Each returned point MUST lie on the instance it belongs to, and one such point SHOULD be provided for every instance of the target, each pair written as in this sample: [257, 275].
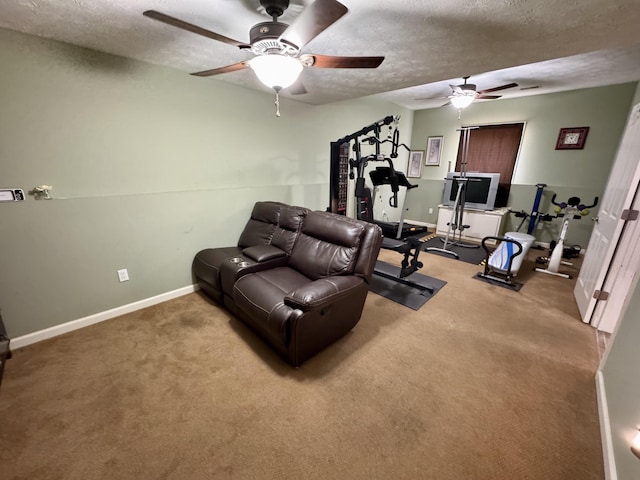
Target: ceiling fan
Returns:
[464, 94]
[277, 46]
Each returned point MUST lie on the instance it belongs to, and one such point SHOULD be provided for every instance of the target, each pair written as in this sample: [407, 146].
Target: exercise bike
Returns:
[572, 209]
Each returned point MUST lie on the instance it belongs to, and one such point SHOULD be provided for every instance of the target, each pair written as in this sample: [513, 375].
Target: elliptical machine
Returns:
[572, 209]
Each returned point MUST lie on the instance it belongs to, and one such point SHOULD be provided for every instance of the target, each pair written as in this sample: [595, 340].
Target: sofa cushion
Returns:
[323, 292]
[260, 227]
[261, 296]
[328, 245]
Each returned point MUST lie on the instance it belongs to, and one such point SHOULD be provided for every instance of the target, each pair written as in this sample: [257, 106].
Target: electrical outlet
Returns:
[123, 275]
[430, 211]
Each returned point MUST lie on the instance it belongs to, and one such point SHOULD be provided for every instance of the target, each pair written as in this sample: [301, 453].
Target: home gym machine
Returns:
[572, 209]
[409, 247]
[385, 175]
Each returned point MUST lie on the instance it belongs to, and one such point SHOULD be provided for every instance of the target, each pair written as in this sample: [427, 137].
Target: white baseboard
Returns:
[56, 330]
[608, 455]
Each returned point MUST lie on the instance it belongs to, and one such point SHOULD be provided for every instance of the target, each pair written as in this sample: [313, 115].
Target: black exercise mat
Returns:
[413, 297]
[465, 254]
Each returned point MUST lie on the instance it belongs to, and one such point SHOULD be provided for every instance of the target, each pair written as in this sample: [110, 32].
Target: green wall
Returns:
[581, 173]
[148, 166]
[622, 387]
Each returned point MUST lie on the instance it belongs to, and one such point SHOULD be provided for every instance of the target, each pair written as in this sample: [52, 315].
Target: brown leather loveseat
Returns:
[298, 278]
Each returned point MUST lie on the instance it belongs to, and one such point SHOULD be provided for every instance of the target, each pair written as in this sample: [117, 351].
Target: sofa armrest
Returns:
[262, 253]
[323, 292]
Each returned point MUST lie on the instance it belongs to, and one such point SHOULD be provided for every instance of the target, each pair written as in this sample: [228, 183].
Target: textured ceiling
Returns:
[427, 44]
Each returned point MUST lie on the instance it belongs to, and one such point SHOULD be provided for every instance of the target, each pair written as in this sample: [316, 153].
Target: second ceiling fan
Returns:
[277, 46]
[464, 94]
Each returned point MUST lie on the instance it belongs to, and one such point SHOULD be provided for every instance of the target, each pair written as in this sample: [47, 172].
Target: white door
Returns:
[621, 278]
[619, 193]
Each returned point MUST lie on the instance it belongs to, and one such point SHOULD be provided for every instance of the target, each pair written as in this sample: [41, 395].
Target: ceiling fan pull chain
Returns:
[277, 103]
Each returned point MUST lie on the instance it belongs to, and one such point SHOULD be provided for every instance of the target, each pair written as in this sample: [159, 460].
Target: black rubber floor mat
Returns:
[464, 254]
[412, 291]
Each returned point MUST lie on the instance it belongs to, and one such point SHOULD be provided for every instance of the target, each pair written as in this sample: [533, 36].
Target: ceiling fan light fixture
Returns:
[462, 101]
[276, 71]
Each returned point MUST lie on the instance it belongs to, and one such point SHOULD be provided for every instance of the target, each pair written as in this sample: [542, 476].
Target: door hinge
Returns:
[629, 214]
[600, 295]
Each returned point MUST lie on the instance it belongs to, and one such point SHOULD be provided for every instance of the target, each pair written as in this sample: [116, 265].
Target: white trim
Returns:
[608, 455]
[56, 330]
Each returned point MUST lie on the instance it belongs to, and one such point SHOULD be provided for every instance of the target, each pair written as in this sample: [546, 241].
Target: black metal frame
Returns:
[410, 247]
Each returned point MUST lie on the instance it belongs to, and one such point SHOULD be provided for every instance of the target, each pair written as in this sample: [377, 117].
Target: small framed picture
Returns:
[572, 138]
[434, 150]
[416, 157]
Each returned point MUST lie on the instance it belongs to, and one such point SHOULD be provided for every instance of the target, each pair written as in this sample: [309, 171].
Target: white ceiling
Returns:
[427, 44]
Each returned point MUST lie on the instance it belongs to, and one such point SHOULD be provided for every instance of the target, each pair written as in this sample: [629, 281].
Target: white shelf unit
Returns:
[481, 223]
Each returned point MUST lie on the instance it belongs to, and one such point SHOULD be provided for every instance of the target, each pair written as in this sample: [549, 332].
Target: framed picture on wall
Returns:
[416, 157]
[572, 138]
[434, 151]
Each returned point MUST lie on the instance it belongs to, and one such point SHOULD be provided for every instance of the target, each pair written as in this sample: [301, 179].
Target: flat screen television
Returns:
[480, 192]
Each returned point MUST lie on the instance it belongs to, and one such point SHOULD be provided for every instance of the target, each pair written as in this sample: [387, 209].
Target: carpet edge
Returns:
[50, 332]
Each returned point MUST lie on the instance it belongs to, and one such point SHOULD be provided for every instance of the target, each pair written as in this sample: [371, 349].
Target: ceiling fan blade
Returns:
[330, 61]
[488, 97]
[175, 22]
[495, 89]
[428, 98]
[297, 88]
[312, 21]
[448, 103]
[217, 71]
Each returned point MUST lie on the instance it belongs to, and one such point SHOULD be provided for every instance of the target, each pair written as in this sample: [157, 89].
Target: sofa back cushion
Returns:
[262, 224]
[288, 228]
[328, 245]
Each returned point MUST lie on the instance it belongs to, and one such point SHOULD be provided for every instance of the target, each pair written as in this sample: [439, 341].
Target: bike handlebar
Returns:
[574, 202]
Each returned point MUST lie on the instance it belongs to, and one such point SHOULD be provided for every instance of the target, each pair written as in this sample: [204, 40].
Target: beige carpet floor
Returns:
[481, 383]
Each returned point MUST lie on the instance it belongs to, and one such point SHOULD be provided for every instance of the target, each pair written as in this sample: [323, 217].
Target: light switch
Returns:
[11, 195]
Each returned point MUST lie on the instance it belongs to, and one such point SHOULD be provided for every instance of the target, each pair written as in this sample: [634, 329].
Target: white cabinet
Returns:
[481, 223]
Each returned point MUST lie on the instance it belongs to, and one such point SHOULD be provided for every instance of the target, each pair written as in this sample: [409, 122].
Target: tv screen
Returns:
[480, 189]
